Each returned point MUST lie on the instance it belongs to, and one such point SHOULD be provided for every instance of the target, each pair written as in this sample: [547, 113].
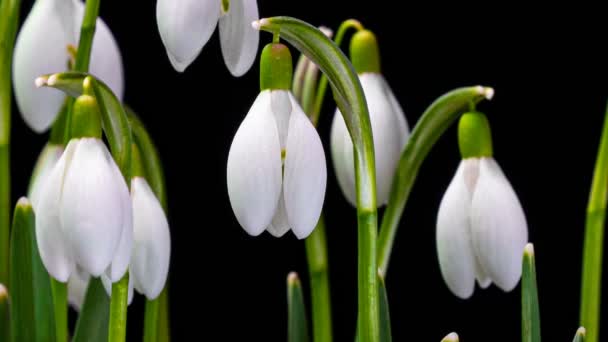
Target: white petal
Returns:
[122, 256]
[41, 48]
[239, 40]
[52, 244]
[152, 242]
[387, 131]
[280, 103]
[77, 288]
[106, 60]
[254, 174]
[305, 174]
[185, 26]
[280, 223]
[456, 258]
[44, 165]
[107, 285]
[91, 208]
[404, 128]
[343, 158]
[499, 226]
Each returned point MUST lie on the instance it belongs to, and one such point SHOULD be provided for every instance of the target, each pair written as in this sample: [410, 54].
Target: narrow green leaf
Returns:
[297, 329]
[591, 284]
[451, 337]
[5, 322]
[353, 106]
[580, 335]
[114, 119]
[434, 122]
[92, 325]
[31, 314]
[385, 316]
[530, 314]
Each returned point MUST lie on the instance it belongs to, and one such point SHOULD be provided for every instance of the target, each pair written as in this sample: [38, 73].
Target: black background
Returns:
[548, 68]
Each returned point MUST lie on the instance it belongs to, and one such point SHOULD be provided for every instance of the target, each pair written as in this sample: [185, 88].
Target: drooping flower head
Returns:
[481, 226]
[43, 46]
[185, 26]
[276, 170]
[389, 126]
[83, 215]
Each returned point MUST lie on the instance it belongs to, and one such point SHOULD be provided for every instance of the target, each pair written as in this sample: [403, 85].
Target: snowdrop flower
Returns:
[276, 166]
[186, 25]
[42, 48]
[481, 227]
[46, 162]
[83, 215]
[389, 127]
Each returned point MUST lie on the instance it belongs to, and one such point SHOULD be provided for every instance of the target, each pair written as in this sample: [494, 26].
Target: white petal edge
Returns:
[499, 227]
[185, 26]
[52, 245]
[280, 224]
[49, 156]
[454, 249]
[343, 158]
[152, 241]
[386, 131]
[77, 288]
[254, 174]
[41, 48]
[305, 173]
[239, 40]
[122, 256]
[404, 128]
[90, 211]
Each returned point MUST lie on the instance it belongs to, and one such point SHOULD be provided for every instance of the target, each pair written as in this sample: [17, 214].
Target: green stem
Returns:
[351, 101]
[530, 314]
[151, 320]
[164, 327]
[60, 303]
[9, 14]
[431, 126]
[594, 242]
[316, 253]
[320, 95]
[118, 310]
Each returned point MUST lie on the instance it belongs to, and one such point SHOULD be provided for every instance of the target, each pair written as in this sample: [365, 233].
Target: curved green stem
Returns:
[351, 101]
[594, 242]
[431, 126]
[9, 12]
[320, 95]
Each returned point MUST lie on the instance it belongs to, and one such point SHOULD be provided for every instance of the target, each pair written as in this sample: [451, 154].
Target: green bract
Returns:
[474, 136]
[364, 52]
[275, 67]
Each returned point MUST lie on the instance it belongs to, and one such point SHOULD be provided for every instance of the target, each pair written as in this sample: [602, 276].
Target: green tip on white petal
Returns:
[474, 136]
[451, 337]
[364, 52]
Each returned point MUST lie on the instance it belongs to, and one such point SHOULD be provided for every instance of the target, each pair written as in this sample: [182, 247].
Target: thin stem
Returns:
[60, 303]
[164, 326]
[118, 310]
[431, 126]
[9, 12]
[594, 242]
[151, 320]
[320, 95]
[316, 253]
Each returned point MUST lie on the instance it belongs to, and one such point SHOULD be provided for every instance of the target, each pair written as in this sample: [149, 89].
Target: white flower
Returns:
[41, 48]
[44, 165]
[77, 288]
[390, 131]
[83, 215]
[185, 26]
[481, 229]
[151, 241]
[276, 168]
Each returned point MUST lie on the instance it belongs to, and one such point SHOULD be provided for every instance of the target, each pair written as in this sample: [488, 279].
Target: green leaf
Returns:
[351, 101]
[385, 316]
[113, 117]
[580, 335]
[530, 315]
[437, 118]
[31, 311]
[92, 325]
[297, 329]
